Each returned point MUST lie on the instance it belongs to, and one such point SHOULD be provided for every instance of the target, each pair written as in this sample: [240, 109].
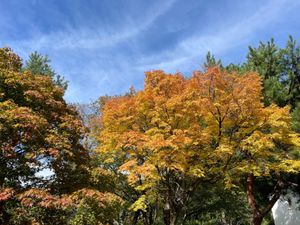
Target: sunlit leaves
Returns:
[37, 130]
[197, 126]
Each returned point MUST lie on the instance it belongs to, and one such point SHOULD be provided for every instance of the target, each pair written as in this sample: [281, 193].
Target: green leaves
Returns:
[38, 64]
[296, 119]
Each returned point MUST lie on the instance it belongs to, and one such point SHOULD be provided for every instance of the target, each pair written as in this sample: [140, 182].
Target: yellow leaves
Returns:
[58, 142]
[224, 150]
[258, 143]
[145, 186]
[166, 85]
[129, 165]
[289, 166]
[100, 173]
[163, 124]
[217, 105]
[229, 182]
[295, 139]
[72, 124]
[139, 204]
[279, 121]
[197, 171]
[197, 126]
[9, 61]
[178, 165]
[137, 172]
[109, 160]
[278, 118]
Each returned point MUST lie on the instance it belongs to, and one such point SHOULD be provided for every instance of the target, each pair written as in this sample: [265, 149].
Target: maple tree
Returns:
[179, 131]
[39, 131]
[278, 68]
[105, 175]
[147, 130]
[253, 140]
[279, 71]
[183, 150]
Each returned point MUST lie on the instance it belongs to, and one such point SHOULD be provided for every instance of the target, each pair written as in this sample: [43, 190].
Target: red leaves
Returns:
[8, 151]
[34, 95]
[9, 60]
[53, 152]
[40, 197]
[6, 194]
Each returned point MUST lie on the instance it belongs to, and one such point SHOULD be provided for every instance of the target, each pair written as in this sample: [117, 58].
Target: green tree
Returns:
[280, 70]
[38, 64]
[296, 119]
[291, 75]
[211, 61]
[211, 205]
[266, 60]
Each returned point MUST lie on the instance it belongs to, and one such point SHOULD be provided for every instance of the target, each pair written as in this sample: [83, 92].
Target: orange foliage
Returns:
[197, 126]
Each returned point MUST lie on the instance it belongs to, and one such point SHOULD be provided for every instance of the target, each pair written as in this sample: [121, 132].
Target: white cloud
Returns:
[92, 69]
[87, 38]
[219, 39]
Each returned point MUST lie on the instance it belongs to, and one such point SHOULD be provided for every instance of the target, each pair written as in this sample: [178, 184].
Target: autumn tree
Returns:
[151, 132]
[178, 132]
[105, 175]
[278, 68]
[252, 140]
[38, 130]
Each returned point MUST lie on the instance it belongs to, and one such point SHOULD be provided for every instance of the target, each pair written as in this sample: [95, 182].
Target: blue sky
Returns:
[105, 46]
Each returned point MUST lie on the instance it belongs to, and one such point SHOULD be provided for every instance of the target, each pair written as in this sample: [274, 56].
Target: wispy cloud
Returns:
[219, 39]
[104, 47]
[101, 37]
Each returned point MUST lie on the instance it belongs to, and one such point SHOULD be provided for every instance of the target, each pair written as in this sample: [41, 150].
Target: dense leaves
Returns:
[217, 147]
[39, 132]
[177, 132]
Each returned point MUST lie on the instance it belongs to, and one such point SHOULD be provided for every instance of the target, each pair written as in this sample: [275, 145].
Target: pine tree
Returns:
[38, 64]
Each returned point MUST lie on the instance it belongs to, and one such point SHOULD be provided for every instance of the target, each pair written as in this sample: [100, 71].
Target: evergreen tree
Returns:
[296, 119]
[211, 61]
[291, 74]
[267, 61]
[38, 64]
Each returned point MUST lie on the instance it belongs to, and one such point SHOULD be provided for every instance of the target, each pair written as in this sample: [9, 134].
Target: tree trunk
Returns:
[256, 215]
[135, 217]
[257, 220]
[167, 214]
[170, 216]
